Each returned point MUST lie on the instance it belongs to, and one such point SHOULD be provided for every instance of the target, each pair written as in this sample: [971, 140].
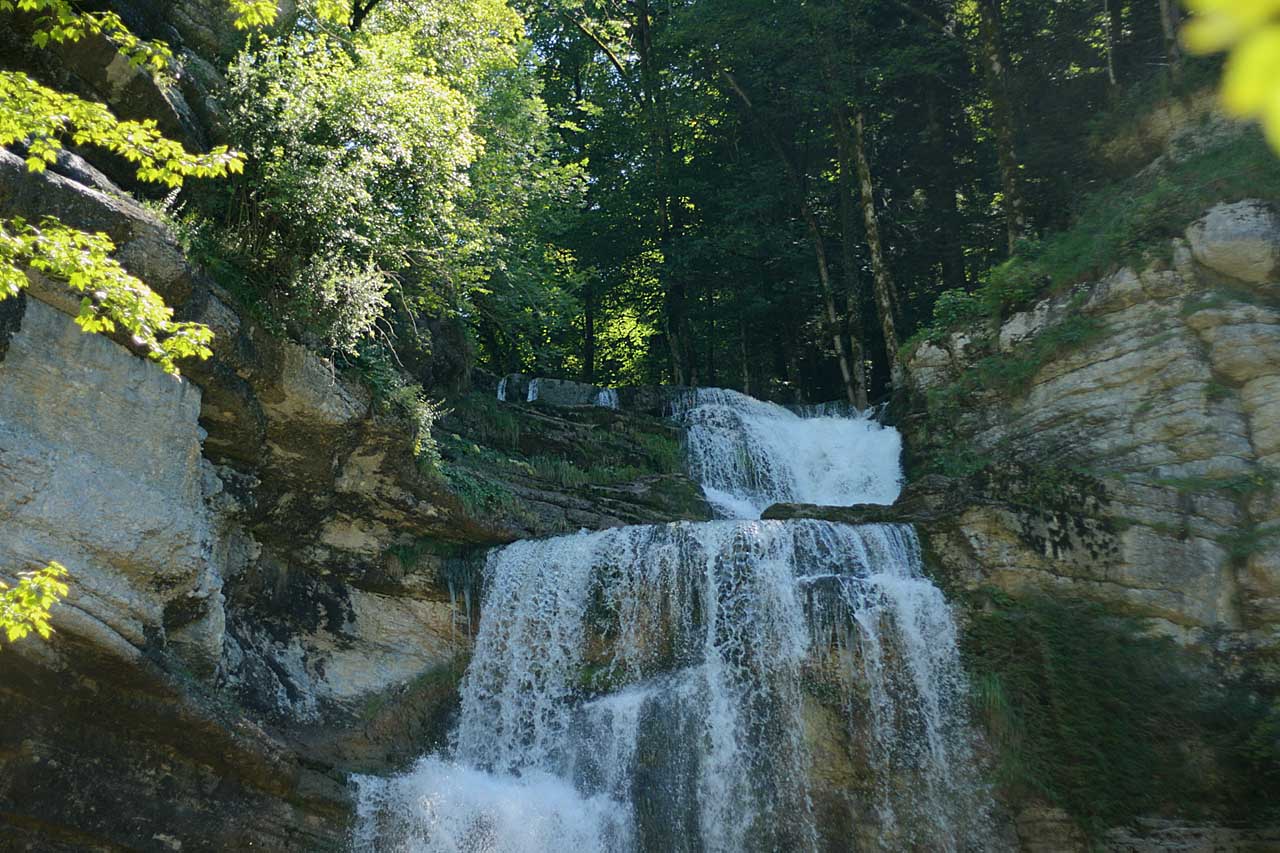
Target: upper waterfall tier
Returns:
[749, 454]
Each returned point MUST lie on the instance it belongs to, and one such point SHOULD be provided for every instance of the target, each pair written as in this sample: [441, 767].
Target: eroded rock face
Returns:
[1168, 412]
[100, 456]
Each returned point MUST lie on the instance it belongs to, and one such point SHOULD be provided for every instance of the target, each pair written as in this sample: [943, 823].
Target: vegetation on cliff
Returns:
[1090, 712]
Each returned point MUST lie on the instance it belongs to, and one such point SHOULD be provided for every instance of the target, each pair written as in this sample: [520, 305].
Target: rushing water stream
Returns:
[734, 685]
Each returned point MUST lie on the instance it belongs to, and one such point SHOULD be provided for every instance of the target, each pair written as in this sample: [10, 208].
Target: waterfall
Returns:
[502, 389]
[606, 398]
[749, 454]
[697, 686]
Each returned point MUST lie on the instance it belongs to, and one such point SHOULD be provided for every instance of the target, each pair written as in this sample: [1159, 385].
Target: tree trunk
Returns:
[995, 63]
[1169, 16]
[941, 192]
[679, 332]
[1111, 28]
[882, 281]
[848, 261]
[589, 335]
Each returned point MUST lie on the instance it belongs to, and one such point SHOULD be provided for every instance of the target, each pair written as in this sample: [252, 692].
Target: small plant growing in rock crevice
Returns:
[394, 394]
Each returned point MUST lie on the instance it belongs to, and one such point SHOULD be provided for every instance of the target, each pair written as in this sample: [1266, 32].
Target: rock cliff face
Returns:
[1146, 441]
[1118, 443]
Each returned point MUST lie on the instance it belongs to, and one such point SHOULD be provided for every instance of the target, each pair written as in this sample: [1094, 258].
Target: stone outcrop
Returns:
[1166, 412]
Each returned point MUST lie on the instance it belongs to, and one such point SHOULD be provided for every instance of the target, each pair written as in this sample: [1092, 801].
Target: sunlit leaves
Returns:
[250, 14]
[1250, 30]
[112, 299]
[358, 161]
[25, 606]
[44, 119]
[253, 13]
[58, 22]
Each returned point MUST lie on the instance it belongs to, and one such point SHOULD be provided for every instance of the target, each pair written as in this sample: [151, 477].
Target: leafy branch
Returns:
[25, 607]
[41, 118]
[59, 22]
[113, 300]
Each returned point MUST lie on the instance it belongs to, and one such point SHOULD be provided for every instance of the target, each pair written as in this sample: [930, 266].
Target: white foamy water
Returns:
[654, 687]
[748, 454]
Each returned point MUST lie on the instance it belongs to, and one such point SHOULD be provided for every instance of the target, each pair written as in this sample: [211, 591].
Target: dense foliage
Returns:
[397, 172]
[778, 193]
[759, 195]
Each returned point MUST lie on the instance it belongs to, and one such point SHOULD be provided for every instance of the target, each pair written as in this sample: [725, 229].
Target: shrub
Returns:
[335, 302]
[394, 394]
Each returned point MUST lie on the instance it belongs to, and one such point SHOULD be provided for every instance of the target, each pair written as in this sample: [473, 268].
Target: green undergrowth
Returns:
[1089, 712]
[1140, 99]
[481, 496]
[1124, 223]
[487, 421]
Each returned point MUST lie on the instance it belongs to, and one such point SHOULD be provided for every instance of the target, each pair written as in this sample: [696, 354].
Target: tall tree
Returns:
[854, 390]
[995, 63]
[886, 299]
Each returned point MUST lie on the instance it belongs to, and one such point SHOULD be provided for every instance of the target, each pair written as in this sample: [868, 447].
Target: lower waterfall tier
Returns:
[723, 686]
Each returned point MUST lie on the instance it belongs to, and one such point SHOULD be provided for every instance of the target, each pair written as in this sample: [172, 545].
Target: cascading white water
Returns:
[606, 398]
[655, 687]
[749, 454]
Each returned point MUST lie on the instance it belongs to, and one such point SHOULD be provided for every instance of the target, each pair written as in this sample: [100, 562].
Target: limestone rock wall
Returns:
[1158, 433]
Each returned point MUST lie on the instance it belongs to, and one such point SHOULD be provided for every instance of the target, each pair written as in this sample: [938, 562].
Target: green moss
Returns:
[1261, 481]
[958, 460]
[1249, 540]
[1216, 391]
[437, 687]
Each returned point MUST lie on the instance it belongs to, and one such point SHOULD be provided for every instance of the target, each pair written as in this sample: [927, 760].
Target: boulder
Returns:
[1240, 240]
